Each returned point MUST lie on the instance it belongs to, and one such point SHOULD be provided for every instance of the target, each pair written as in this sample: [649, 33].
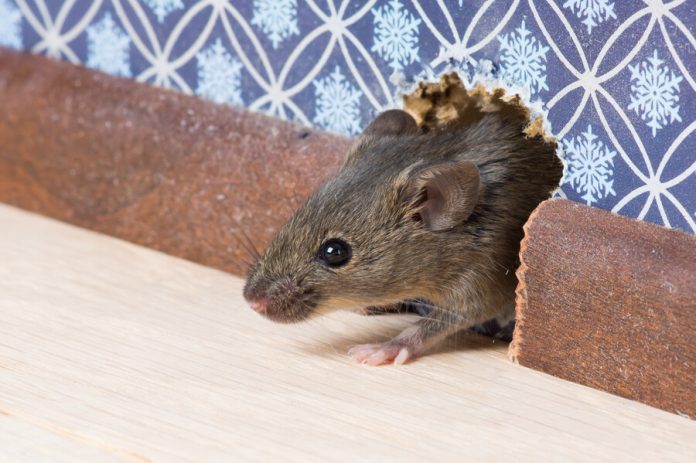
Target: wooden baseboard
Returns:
[155, 167]
[609, 302]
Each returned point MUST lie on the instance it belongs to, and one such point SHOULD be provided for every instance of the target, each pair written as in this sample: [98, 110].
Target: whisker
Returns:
[243, 246]
[250, 243]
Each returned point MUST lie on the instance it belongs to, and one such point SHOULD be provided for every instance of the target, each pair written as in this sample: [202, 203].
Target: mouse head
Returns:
[375, 234]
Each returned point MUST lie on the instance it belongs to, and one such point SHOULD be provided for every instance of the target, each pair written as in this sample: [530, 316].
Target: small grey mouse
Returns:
[412, 215]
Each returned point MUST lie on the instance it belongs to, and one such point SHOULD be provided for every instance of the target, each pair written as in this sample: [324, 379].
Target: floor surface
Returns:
[113, 352]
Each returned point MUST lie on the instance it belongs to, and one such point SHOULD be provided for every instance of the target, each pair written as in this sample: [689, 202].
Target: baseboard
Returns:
[609, 302]
[169, 171]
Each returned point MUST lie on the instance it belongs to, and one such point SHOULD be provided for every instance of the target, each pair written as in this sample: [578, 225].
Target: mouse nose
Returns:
[259, 305]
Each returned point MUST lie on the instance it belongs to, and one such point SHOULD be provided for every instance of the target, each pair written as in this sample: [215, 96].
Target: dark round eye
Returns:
[335, 253]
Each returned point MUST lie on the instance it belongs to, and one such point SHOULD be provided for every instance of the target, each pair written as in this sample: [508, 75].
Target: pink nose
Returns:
[258, 305]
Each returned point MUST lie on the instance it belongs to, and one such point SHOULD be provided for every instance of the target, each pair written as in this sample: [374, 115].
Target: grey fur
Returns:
[467, 272]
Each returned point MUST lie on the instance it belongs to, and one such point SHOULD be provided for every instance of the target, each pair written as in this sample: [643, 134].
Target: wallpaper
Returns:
[617, 77]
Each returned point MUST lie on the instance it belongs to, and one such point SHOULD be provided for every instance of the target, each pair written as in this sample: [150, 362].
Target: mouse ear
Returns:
[392, 122]
[444, 195]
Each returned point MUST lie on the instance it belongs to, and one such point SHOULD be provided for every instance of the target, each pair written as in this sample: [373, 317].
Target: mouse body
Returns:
[420, 215]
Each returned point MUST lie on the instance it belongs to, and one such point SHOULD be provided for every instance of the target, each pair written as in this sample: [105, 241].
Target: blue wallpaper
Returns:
[618, 78]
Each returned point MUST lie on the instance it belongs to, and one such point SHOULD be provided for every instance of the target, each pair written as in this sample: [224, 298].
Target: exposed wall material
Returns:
[435, 104]
[610, 304]
[161, 169]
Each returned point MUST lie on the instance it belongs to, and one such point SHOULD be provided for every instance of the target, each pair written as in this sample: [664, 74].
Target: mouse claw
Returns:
[402, 357]
[380, 354]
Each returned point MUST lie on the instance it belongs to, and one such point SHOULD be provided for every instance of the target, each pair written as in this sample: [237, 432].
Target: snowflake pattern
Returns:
[655, 93]
[219, 75]
[289, 50]
[108, 47]
[276, 18]
[162, 8]
[337, 104]
[10, 25]
[589, 166]
[523, 59]
[594, 11]
[395, 35]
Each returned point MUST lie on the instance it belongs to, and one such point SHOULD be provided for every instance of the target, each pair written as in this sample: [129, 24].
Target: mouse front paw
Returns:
[379, 354]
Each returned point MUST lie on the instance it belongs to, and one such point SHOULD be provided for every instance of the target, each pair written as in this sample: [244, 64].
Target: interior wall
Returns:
[618, 78]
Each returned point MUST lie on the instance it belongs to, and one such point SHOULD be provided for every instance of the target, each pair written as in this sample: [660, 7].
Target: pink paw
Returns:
[379, 354]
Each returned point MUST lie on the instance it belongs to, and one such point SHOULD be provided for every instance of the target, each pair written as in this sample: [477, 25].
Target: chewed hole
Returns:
[437, 105]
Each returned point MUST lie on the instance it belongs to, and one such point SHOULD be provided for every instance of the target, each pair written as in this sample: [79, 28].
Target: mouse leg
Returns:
[413, 340]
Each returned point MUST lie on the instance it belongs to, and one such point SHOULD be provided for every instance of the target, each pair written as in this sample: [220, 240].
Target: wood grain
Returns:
[155, 167]
[609, 302]
[113, 352]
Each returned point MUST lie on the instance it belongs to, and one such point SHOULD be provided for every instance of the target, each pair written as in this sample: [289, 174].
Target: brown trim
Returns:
[151, 166]
[609, 302]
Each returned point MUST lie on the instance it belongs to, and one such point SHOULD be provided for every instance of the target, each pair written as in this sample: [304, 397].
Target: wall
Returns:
[618, 77]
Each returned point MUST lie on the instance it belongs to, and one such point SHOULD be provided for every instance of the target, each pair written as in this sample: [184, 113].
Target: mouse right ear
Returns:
[392, 122]
[442, 196]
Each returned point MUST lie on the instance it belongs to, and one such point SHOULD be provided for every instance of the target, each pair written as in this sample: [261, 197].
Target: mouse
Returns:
[433, 216]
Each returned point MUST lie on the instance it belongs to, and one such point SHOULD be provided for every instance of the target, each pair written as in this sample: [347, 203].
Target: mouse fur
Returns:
[434, 216]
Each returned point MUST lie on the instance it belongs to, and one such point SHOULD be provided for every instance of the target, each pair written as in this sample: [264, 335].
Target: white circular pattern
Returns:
[617, 78]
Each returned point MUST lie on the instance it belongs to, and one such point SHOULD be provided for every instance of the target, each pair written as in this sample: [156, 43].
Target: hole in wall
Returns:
[435, 105]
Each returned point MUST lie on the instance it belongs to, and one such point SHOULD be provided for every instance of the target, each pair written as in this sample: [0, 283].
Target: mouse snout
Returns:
[259, 305]
[280, 300]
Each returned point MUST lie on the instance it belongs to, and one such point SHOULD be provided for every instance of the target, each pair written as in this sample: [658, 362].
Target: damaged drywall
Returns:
[434, 102]
[437, 104]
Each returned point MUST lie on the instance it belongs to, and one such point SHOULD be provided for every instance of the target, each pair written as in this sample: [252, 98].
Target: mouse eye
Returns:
[335, 253]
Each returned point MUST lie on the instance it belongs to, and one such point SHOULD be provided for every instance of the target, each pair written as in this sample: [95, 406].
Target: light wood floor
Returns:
[112, 352]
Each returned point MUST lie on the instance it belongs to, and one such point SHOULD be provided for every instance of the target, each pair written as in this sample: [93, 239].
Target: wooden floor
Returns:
[112, 352]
